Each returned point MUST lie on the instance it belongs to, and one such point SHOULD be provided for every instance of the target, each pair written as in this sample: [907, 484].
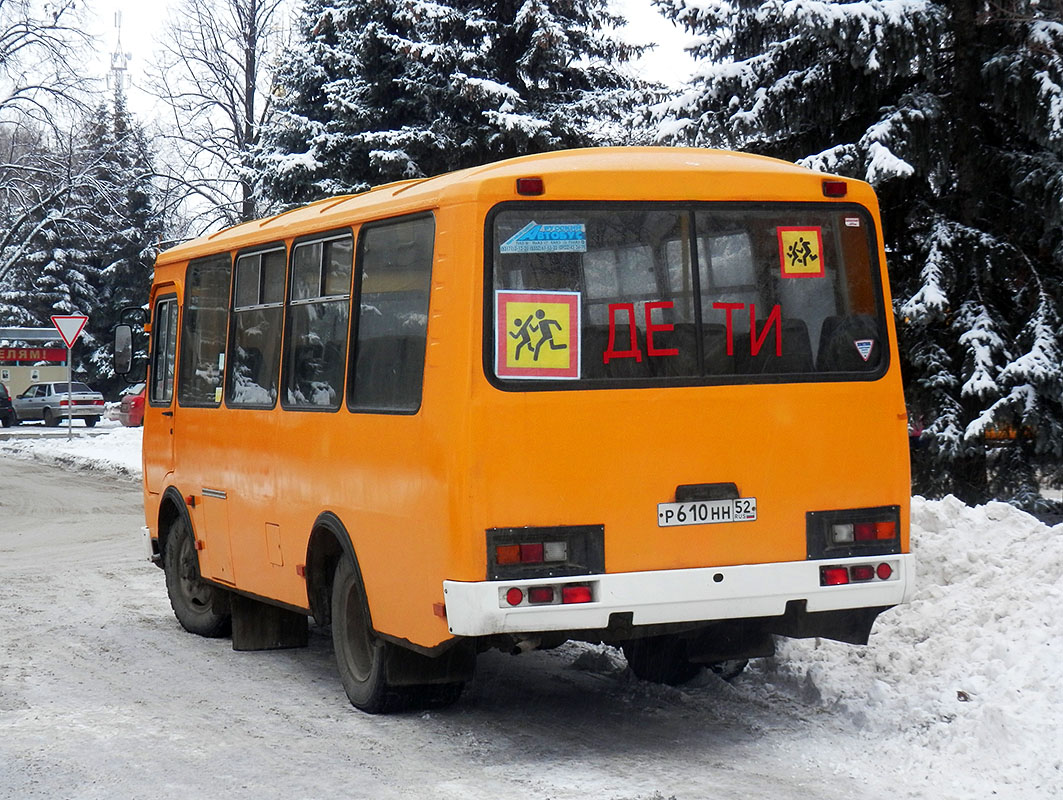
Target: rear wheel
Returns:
[50, 419]
[199, 606]
[360, 656]
[90, 422]
[660, 659]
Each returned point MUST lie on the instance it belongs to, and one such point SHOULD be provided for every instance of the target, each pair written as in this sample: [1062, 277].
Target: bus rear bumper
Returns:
[672, 596]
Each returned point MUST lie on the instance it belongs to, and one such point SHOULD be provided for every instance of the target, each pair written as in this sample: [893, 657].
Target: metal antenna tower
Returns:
[119, 75]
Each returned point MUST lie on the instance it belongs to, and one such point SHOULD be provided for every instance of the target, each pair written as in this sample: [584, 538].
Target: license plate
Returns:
[706, 512]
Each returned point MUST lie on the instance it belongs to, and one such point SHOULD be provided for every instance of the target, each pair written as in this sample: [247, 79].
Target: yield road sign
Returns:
[70, 327]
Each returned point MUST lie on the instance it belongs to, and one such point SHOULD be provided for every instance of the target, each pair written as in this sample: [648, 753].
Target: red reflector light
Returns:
[514, 596]
[507, 554]
[541, 594]
[530, 186]
[531, 553]
[864, 572]
[834, 188]
[833, 576]
[884, 572]
[575, 594]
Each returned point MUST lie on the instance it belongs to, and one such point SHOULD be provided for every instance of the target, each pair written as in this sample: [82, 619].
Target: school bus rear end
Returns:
[649, 484]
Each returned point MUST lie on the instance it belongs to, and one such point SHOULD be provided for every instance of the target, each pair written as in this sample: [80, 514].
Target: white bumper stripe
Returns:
[681, 595]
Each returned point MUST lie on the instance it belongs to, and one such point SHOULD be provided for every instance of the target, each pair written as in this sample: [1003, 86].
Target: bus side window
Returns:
[317, 323]
[164, 335]
[395, 270]
[203, 333]
[254, 346]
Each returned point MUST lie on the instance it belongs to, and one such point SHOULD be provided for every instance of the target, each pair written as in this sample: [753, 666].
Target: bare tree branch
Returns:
[213, 72]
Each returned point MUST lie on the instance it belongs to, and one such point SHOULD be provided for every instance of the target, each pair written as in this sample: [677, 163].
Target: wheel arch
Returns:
[171, 508]
[329, 541]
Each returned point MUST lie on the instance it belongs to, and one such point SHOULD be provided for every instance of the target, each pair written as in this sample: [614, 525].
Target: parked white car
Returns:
[51, 402]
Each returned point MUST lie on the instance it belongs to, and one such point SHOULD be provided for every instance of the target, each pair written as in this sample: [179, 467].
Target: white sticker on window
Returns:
[864, 346]
[547, 238]
[852, 222]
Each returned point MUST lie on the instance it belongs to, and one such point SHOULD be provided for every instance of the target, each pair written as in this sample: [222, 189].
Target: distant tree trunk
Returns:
[211, 72]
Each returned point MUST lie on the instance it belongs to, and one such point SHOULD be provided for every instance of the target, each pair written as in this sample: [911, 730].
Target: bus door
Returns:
[159, 408]
[201, 456]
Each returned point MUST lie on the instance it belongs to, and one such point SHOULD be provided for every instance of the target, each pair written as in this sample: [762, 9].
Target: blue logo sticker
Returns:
[547, 238]
[864, 347]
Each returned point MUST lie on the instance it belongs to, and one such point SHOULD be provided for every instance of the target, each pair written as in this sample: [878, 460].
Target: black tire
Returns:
[50, 419]
[196, 604]
[360, 656]
[8, 422]
[660, 659]
[729, 670]
[90, 422]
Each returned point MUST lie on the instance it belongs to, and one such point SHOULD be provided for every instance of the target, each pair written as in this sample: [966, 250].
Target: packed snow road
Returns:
[103, 695]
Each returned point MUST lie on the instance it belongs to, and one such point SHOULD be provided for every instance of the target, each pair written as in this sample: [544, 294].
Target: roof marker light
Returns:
[530, 186]
[835, 188]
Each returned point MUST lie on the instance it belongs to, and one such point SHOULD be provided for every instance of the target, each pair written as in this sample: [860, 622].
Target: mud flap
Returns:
[407, 668]
[260, 626]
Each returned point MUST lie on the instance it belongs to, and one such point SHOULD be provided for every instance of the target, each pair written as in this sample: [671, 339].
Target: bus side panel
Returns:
[402, 494]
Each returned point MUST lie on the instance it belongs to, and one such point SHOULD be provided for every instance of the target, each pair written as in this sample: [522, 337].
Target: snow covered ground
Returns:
[955, 696]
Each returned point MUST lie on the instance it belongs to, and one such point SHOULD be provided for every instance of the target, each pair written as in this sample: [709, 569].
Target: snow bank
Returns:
[108, 447]
[962, 681]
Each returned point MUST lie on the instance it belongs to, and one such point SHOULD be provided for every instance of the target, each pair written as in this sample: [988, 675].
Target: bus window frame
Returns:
[181, 321]
[356, 303]
[333, 234]
[167, 297]
[690, 208]
[254, 250]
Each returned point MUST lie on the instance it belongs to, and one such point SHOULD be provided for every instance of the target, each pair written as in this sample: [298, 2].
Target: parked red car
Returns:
[131, 410]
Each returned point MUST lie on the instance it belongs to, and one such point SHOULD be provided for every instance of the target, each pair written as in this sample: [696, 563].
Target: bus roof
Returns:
[624, 173]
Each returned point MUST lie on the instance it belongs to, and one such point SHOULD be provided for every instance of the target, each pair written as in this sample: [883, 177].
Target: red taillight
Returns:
[530, 186]
[864, 532]
[884, 572]
[541, 594]
[864, 572]
[833, 576]
[576, 594]
[531, 553]
[835, 188]
[514, 596]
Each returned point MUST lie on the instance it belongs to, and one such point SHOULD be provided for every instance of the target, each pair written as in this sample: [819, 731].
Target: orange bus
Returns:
[642, 396]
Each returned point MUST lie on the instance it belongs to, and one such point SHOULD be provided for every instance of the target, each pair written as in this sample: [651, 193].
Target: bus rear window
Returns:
[609, 293]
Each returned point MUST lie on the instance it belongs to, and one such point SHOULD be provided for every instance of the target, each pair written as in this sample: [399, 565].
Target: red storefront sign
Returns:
[33, 354]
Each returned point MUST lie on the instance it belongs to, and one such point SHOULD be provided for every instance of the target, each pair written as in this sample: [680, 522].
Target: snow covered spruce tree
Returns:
[954, 112]
[381, 90]
[90, 247]
[118, 226]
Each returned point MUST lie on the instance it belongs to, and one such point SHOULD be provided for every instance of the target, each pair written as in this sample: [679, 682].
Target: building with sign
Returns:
[23, 365]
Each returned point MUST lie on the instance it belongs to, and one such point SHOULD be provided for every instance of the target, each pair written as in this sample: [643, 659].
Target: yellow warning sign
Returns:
[537, 335]
[801, 252]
